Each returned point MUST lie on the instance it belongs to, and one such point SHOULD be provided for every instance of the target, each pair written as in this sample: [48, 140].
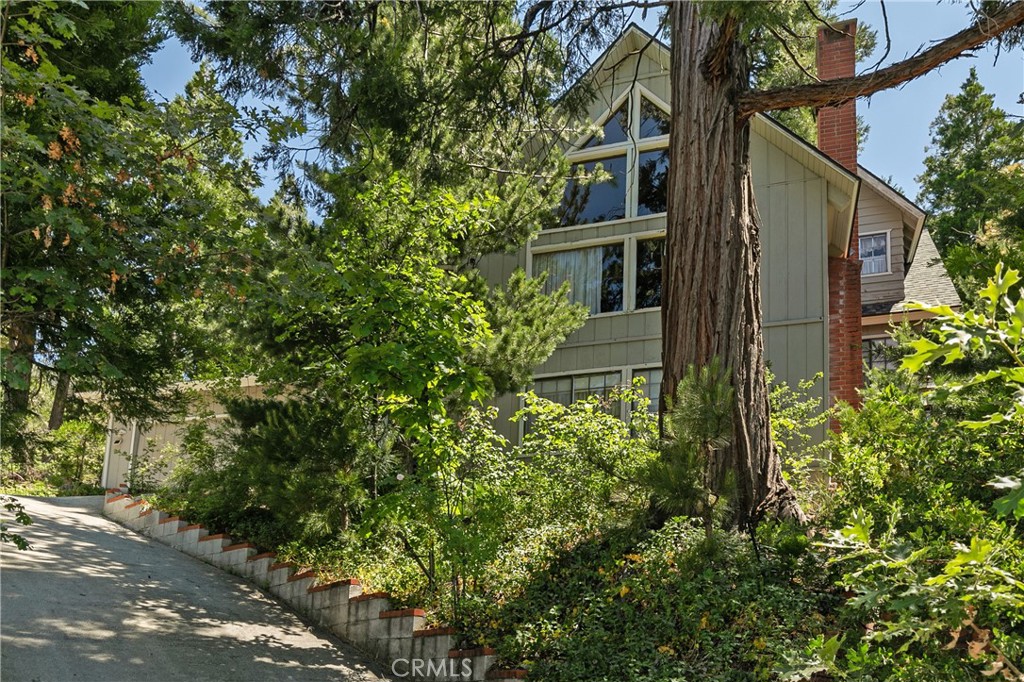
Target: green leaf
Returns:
[979, 550]
[859, 529]
[1013, 502]
[926, 351]
[829, 649]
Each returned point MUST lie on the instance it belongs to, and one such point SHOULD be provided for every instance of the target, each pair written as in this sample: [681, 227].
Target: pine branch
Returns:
[841, 90]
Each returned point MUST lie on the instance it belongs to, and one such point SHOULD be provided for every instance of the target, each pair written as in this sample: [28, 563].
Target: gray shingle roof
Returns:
[927, 280]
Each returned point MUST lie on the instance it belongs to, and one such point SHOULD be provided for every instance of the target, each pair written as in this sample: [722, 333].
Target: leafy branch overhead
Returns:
[107, 243]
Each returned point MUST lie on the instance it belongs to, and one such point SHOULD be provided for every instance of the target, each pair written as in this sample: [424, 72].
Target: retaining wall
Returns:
[395, 637]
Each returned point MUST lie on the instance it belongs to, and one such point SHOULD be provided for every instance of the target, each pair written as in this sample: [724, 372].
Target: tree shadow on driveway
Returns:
[94, 601]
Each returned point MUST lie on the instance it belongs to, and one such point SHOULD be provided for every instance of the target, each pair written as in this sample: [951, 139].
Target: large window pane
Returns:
[615, 130]
[652, 182]
[595, 202]
[594, 275]
[649, 254]
[568, 389]
[653, 121]
[580, 267]
[611, 278]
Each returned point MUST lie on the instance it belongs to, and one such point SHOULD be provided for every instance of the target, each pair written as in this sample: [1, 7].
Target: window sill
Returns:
[605, 223]
[623, 312]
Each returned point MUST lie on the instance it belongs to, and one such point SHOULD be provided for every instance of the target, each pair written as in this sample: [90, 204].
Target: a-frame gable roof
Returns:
[843, 184]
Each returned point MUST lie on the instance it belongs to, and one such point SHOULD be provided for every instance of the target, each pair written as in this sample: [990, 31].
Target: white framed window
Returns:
[571, 388]
[880, 353]
[595, 275]
[632, 151]
[568, 388]
[616, 275]
[874, 253]
[648, 257]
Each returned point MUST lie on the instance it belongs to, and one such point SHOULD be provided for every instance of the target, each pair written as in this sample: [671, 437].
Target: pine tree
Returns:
[973, 184]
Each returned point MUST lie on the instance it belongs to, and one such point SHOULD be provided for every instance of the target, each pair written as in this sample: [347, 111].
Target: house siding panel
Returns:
[507, 405]
[792, 204]
[793, 294]
[496, 268]
[875, 214]
[158, 448]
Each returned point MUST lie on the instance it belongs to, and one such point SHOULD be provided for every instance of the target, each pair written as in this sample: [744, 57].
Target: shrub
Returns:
[278, 471]
[933, 554]
[67, 461]
[635, 604]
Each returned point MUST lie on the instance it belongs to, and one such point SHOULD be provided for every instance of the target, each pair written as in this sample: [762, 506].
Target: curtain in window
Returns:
[874, 254]
[581, 267]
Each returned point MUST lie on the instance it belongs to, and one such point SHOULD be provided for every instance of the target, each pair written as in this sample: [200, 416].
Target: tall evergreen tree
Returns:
[713, 218]
[417, 92]
[973, 184]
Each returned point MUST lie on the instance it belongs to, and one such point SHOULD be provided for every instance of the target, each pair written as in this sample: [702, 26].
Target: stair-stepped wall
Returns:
[395, 637]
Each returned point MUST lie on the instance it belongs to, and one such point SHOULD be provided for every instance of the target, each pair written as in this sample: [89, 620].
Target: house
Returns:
[900, 264]
[135, 454]
[842, 251]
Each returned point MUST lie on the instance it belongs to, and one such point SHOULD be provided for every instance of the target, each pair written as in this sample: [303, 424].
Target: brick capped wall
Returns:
[396, 637]
[837, 137]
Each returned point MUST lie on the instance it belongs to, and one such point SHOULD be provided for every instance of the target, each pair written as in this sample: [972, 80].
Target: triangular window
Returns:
[616, 128]
[653, 121]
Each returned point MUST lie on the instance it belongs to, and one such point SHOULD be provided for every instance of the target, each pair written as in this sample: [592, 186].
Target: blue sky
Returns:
[899, 118]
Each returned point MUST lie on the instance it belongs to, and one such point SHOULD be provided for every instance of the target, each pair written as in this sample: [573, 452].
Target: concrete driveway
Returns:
[94, 601]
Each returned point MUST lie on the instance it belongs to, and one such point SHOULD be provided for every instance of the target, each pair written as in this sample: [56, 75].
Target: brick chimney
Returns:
[837, 137]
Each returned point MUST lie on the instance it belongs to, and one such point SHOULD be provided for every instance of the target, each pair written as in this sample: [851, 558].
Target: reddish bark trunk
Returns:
[711, 289]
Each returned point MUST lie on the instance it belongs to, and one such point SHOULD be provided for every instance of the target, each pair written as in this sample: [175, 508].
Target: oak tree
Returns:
[108, 211]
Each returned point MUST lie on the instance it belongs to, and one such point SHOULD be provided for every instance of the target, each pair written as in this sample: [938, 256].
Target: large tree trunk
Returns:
[60, 401]
[711, 304]
[21, 340]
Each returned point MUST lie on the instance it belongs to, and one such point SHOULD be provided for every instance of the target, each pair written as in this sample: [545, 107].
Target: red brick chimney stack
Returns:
[837, 126]
[837, 137]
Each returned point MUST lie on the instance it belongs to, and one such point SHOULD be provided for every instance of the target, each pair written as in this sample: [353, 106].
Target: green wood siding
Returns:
[792, 202]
